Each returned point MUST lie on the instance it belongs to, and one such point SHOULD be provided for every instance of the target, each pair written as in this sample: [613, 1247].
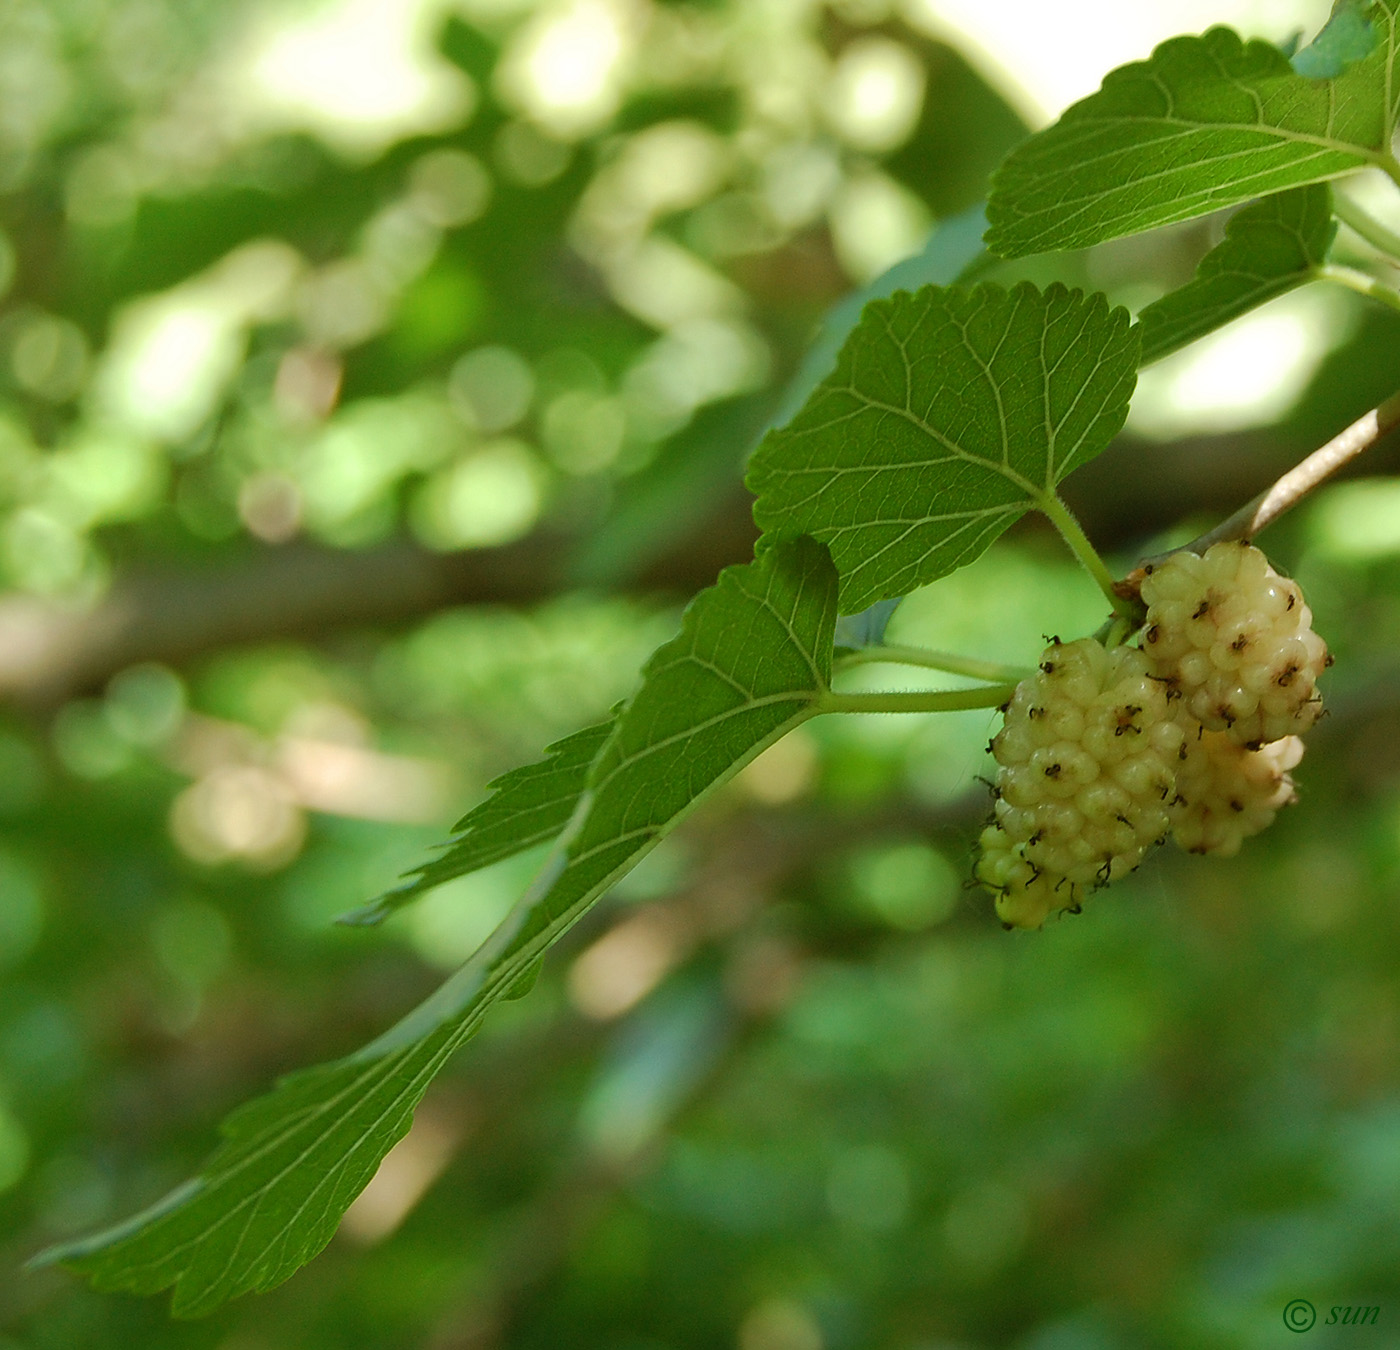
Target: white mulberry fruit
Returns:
[1225, 793]
[1087, 755]
[1025, 895]
[1235, 641]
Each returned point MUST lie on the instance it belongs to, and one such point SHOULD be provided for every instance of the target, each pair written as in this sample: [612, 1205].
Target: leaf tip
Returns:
[368, 915]
[44, 1258]
[83, 1254]
[998, 238]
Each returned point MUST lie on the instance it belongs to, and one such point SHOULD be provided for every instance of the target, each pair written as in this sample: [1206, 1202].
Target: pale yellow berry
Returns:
[1234, 641]
[1225, 793]
[1025, 896]
[1087, 757]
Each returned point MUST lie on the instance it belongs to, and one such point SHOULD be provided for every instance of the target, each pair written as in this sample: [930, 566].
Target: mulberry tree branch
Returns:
[1299, 481]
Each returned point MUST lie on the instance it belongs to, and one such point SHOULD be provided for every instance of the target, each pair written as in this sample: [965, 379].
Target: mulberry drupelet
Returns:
[1235, 641]
[1088, 755]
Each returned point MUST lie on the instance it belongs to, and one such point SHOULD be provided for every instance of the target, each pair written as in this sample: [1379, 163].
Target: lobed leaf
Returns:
[752, 658]
[951, 412]
[1204, 123]
[1268, 249]
[527, 806]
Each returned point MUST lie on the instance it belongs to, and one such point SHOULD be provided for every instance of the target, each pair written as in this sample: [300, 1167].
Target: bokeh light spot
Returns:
[875, 94]
[449, 188]
[145, 704]
[86, 743]
[192, 940]
[563, 68]
[49, 357]
[491, 388]
[1250, 372]
[1357, 522]
[238, 812]
[361, 74]
[985, 1227]
[490, 497]
[909, 886]
[583, 432]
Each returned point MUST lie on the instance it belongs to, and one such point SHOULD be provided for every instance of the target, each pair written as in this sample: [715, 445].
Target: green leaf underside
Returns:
[1269, 248]
[752, 657]
[1204, 123]
[951, 412]
[866, 629]
[1348, 36]
[527, 806]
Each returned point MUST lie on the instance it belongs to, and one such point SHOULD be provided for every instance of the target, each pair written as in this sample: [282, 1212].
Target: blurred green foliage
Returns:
[450, 287]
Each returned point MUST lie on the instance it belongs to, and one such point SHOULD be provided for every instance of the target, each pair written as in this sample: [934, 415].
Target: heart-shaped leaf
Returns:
[950, 414]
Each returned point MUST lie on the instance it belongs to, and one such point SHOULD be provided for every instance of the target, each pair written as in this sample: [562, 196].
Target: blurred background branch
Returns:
[51, 651]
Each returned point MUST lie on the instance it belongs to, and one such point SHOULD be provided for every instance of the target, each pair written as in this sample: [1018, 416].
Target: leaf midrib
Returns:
[1264, 128]
[304, 1120]
[786, 696]
[955, 450]
[1089, 200]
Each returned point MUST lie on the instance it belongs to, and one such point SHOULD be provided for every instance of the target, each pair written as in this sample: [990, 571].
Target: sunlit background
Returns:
[375, 383]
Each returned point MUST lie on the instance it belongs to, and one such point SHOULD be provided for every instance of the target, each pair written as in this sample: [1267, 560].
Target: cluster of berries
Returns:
[1105, 752]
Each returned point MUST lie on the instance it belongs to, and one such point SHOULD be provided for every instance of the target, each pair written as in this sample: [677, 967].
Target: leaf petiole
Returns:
[950, 662]
[1062, 518]
[916, 700]
[1378, 235]
[1361, 282]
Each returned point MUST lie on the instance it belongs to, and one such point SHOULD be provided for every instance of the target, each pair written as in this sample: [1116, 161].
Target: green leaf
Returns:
[1347, 37]
[1269, 248]
[751, 661]
[1204, 123]
[951, 412]
[866, 629]
[954, 246]
[528, 806]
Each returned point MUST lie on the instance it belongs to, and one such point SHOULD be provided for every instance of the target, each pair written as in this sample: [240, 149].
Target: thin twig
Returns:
[1300, 480]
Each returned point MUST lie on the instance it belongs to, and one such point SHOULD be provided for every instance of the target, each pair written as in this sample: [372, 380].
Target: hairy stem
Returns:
[1361, 282]
[1073, 534]
[1379, 236]
[917, 700]
[931, 660]
[1303, 478]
